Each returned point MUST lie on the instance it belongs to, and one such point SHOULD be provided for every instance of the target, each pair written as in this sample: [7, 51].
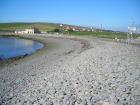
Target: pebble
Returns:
[96, 76]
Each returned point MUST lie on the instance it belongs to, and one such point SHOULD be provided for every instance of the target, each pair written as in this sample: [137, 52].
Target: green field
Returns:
[40, 26]
[50, 27]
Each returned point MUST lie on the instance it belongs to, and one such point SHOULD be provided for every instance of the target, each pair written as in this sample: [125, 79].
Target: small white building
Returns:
[24, 31]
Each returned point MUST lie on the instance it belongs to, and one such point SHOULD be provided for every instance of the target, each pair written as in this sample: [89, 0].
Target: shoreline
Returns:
[47, 45]
[73, 71]
[16, 59]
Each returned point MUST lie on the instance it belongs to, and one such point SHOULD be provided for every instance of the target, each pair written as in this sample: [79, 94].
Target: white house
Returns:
[24, 31]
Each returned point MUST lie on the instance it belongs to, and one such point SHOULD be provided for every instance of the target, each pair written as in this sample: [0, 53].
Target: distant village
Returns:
[60, 29]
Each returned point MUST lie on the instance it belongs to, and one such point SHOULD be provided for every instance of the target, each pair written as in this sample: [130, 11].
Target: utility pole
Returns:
[101, 27]
[61, 25]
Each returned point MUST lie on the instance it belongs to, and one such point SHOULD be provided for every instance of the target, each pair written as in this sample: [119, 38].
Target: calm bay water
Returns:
[14, 47]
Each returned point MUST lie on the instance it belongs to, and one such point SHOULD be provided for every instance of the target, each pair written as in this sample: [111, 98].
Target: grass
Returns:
[41, 26]
[48, 27]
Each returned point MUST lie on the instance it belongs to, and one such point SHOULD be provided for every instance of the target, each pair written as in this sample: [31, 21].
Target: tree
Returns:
[56, 30]
[36, 30]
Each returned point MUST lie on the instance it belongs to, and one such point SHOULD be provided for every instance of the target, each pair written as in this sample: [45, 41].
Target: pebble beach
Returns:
[74, 71]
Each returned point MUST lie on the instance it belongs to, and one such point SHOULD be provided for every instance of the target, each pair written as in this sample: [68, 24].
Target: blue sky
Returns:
[113, 14]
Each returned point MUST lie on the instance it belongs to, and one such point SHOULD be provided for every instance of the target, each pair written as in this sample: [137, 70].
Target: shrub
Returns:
[56, 30]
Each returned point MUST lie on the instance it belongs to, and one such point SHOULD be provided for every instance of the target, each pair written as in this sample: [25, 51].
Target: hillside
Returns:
[40, 26]
[11, 27]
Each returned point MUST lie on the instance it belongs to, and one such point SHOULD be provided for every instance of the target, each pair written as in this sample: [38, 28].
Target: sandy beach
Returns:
[73, 71]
